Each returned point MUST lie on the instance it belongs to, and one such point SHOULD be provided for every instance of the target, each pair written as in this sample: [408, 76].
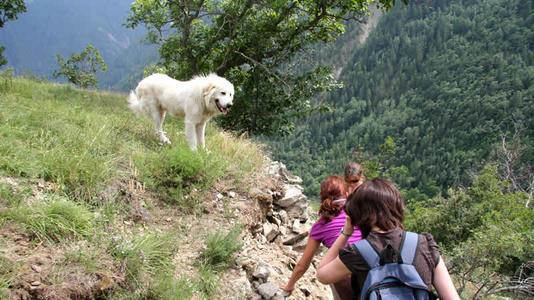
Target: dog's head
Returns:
[218, 94]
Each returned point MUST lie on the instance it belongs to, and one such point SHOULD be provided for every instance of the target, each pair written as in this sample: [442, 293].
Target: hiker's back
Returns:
[376, 273]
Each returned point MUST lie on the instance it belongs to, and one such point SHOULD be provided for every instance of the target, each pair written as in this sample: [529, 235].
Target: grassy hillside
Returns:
[91, 204]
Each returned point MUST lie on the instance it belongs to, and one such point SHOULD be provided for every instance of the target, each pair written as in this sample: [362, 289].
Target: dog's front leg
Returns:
[191, 135]
[201, 130]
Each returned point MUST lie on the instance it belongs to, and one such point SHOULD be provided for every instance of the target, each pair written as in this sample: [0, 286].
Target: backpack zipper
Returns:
[390, 284]
[376, 288]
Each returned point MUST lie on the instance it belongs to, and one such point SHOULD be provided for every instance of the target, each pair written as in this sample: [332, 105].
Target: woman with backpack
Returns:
[389, 263]
[326, 230]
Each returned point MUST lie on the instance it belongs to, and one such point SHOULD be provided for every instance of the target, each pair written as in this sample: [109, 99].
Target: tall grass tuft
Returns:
[84, 255]
[243, 155]
[11, 197]
[8, 271]
[6, 79]
[220, 248]
[166, 287]
[53, 220]
[144, 257]
[207, 282]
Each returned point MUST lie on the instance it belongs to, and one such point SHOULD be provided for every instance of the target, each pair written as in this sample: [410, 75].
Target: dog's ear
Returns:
[207, 92]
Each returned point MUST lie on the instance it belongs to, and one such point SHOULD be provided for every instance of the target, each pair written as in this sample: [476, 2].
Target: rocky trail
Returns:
[276, 240]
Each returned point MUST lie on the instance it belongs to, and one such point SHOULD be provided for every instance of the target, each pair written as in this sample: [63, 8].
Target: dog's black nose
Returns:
[228, 105]
[217, 100]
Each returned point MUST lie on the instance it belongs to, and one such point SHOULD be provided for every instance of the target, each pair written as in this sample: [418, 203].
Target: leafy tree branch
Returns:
[250, 43]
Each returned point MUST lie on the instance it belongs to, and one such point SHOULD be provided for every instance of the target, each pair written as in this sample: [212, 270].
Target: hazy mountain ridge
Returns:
[52, 27]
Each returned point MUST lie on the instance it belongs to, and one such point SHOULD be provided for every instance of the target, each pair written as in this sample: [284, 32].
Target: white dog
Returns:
[198, 100]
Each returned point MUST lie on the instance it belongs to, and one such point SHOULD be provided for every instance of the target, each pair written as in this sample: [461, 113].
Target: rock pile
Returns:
[276, 240]
[286, 216]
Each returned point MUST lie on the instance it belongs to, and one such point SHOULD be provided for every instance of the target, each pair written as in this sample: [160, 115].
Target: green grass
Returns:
[173, 172]
[60, 134]
[151, 254]
[145, 256]
[9, 196]
[53, 220]
[84, 255]
[220, 248]
[167, 287]
[84, 140]
[8, 269]
[88, 144]
[207, 282]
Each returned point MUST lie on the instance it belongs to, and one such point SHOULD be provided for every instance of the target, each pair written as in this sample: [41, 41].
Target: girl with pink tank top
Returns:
[325, 231]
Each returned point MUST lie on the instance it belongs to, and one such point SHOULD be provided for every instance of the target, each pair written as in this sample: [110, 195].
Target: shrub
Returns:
[80, 69]
[485, 231]
[174, 172]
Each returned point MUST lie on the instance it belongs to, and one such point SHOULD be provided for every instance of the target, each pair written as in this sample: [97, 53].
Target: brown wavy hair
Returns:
[353, 176]
[332, 188]
[377, 203]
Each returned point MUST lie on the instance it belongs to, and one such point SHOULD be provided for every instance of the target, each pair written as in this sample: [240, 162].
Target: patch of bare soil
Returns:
[50, 271]
[34, 190]
[43, 271]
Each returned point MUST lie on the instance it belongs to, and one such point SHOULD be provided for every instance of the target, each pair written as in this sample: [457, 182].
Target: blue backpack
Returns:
[397, 280]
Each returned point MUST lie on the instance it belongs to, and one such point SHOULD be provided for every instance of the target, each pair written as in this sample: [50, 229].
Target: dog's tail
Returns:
[135, 104]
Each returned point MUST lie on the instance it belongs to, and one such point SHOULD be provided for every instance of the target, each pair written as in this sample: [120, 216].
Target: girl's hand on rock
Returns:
[287, 290]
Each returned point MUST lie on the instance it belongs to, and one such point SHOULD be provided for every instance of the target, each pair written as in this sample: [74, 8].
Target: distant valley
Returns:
[51, 27]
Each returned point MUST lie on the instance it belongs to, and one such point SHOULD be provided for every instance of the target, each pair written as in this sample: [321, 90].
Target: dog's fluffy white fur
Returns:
[198, 100]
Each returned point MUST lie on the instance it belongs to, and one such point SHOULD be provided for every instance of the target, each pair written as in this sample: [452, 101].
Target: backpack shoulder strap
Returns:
[409, 247]
[368, 253]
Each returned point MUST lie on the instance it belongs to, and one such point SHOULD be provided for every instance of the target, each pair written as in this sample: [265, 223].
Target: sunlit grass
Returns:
[84, 142]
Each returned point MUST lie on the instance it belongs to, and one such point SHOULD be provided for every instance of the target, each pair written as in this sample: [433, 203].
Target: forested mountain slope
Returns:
[51, 27]
[444, 79]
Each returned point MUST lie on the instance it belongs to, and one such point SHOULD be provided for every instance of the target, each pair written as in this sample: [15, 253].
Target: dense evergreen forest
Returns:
[427, 98]
[440, 99]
